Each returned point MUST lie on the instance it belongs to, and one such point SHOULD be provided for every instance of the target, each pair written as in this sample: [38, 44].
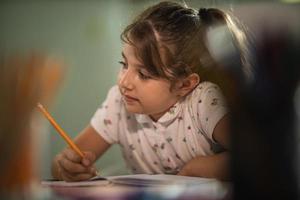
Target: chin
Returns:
[133, 109]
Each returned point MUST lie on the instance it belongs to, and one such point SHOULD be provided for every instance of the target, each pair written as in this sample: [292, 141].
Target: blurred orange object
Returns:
[24, 81]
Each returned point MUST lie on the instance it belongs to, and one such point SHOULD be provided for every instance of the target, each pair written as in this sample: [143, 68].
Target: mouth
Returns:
[130, 99]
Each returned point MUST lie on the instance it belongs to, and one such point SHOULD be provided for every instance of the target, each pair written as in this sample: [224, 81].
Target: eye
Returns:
[124, 65]
[143, 75]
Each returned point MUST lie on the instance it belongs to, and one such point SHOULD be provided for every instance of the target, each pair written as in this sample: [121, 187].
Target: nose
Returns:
[126, 80]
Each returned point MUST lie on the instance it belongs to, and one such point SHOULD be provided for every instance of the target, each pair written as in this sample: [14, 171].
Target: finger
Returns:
[94, 171]
[72, 167]
[65, 175]
[74, 177]
[85, 176]
[89, 158]
[72, 155]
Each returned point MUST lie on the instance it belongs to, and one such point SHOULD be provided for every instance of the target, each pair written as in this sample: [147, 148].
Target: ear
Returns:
[188, 84]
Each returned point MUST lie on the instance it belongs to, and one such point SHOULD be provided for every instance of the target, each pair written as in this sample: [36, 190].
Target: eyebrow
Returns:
[136, 65]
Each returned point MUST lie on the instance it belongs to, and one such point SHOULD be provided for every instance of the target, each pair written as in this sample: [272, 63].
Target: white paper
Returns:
[157, 180]
[134, 180]
[95, 181]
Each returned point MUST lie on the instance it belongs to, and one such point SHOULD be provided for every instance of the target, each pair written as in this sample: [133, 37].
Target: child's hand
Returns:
[184, 171]
[72, 167]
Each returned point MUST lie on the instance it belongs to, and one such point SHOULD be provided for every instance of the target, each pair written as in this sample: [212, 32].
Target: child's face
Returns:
[141, 92]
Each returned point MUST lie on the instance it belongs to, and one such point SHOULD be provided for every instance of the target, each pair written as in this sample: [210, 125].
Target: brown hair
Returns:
[170, 40]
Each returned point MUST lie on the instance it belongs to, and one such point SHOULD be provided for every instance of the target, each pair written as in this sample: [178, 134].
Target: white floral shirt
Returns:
[181, 134]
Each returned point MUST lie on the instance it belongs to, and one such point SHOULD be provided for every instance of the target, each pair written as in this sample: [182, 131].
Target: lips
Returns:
[130, 99]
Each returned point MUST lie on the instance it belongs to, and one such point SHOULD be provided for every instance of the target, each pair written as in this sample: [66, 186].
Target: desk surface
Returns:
[208, 189]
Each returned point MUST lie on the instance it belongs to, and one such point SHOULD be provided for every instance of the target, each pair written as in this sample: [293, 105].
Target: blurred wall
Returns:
[85, 34]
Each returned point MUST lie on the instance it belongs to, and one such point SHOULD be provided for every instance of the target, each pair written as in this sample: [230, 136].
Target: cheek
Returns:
[157, 98]
[119, 77]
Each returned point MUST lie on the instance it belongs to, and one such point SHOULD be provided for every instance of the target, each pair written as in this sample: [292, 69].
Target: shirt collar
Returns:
[164, 120]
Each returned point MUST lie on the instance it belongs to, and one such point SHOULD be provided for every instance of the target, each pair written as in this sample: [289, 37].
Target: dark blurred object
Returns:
[264, 121]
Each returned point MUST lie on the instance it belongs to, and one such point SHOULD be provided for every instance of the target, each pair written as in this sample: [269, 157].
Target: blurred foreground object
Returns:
[263, 107]
[24, 81]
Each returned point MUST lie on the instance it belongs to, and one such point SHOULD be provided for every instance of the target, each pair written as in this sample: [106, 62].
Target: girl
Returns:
[164, 112]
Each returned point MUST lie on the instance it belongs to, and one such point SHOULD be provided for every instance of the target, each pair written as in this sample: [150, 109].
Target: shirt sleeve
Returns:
[210, 105]
[106, 119]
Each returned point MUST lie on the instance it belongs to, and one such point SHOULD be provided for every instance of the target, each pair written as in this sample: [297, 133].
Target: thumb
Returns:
[89, 158]
[94, 171]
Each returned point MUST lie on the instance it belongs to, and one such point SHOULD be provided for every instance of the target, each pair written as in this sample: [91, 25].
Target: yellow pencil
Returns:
[59, 130]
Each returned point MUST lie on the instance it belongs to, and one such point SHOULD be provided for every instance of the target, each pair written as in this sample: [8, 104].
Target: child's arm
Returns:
[213, 166]
[69, 166]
